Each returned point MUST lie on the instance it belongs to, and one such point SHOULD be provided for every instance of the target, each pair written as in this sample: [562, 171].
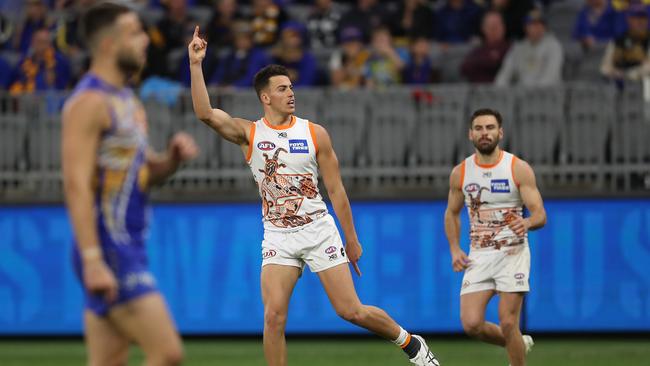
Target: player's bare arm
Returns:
[531, 197]
[235, 130]
[328, 166]
[459, 260]
[84, 119]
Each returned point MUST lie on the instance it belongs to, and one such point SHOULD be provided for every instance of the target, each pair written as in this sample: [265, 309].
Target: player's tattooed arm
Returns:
[84, 118]
[328, 166]
[235, 130]
[525, 177]
[459, 259]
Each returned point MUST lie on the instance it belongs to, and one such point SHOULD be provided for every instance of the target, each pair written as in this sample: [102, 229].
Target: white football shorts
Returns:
[317, 244]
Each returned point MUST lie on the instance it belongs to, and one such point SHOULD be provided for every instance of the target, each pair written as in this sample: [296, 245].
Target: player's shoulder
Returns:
[520, 164]
[86, 105]
[87, 99]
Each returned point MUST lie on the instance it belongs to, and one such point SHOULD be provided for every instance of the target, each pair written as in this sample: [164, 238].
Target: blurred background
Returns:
[394, 82]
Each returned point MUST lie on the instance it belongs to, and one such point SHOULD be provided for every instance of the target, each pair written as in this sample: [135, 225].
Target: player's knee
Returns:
[167, 356]
[274, 319]
[472, 325]
[173, 356]
[354, 315]
[508, 325]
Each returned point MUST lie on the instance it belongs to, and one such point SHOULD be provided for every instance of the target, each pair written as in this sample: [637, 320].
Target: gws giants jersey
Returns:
[493, 200]
[283, 162]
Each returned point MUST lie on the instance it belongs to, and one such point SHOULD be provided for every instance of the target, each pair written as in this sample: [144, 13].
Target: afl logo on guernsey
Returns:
[298, 147]
[500, 186]
[472, 187]
[265, 145]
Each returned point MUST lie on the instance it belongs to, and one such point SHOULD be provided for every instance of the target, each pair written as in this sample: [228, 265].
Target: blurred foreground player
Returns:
[107, 170]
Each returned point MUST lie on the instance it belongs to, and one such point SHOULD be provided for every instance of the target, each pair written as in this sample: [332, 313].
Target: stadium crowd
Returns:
[345, 44]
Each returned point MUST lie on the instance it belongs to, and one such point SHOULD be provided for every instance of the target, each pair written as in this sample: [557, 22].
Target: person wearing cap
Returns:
[346, 63]
[534, 61]
[626, 58]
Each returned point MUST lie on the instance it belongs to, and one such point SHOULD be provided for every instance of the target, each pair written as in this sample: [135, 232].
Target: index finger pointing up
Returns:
[196, 31]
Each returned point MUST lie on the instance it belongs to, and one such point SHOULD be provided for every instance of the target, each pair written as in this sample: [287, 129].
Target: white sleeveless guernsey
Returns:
[492, 199]
[283, 162]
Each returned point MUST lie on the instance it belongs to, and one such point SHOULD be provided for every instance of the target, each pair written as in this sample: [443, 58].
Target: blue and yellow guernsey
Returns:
[121, 201]
[121, 176]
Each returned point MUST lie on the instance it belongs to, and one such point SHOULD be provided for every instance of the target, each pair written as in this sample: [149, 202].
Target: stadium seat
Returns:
[441, 122]
[390, 126]
[540, 117]
[344, 115]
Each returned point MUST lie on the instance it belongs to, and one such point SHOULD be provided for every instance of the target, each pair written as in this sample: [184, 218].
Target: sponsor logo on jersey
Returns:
[472, 187]
[282, 135]
[298, 147]
[268, 254]
[487, 174]
[330, 250]
[500, 186]
[519, 276]
[265, 145]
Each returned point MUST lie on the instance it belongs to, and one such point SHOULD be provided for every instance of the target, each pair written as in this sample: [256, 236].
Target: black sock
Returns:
[412, 347]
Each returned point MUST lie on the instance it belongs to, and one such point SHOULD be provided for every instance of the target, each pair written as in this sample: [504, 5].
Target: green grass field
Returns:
[352, 352]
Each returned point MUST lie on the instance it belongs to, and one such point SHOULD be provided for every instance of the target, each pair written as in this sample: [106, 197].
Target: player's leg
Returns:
[337, 282]
[277, 282]
[105, 344]
[147, 321]
[509, 313]
[472, 316]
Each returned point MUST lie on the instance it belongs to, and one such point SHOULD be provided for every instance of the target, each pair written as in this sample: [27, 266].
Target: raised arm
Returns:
[84, 119]
[455, 200]
[328, 166]
[235, 130]
[525, 178]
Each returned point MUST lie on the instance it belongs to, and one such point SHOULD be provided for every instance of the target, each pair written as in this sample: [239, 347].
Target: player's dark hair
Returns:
[486, 112]
[263, 76]
[99, 17]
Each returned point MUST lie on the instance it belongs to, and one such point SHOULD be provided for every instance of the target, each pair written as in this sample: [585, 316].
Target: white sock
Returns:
[402, 337]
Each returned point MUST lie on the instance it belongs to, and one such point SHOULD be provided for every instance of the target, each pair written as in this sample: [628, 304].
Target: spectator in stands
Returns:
[457, 21]
[238, 66]
[482, 64]
[385, 64]
[6, 31]
[535, 61]
[67, 31]
[597, 22]
[419, 68]
[291, 53]
[323, 23]
[413, 19]
[219, 29]
[513, 12]
[347, 63]
[42, 67]
[268, 18]
[35, 18]
[627, 58]
[170, 33]
[366, 16]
